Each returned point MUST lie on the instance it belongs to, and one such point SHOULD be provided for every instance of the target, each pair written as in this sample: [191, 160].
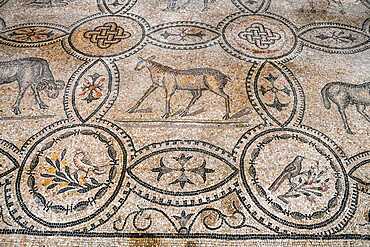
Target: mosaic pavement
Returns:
[184, 122]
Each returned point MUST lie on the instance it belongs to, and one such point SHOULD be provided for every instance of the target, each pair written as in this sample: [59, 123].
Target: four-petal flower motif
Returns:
[276, 93]
[31, 34]
[92, 88]
[182, 180]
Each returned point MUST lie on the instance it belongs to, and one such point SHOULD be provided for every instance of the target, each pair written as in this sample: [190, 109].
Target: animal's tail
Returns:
[324, 95]
[278, 181]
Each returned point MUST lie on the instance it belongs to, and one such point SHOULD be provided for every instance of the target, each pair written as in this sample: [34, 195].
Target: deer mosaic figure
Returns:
[329, 3]
[345, 94]
[194, 80]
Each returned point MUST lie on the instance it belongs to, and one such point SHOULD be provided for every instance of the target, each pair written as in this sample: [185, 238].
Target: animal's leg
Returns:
[206, 8]
[361, 110]
[196, 95]
[146, 94]
[338, 3]
[171, 4]
[38, 98]
[341, 110]
[303, 6]
[182, 7]
[168, 104]
[221, 93]
[311, 6]
[21, 92]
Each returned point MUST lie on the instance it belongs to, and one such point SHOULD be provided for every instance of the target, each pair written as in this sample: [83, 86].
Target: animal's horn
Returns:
[151, 58]
[141, 58]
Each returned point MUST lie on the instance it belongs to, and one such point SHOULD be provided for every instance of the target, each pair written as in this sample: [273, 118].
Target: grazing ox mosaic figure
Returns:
[193, 80]
[172, 5]
[344, 94]
[30, 72]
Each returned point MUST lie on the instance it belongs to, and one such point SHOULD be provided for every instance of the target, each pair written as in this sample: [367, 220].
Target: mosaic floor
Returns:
[184, 123]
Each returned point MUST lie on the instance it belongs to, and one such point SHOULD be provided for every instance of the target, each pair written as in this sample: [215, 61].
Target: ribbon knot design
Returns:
[259, 35]
[108, 34]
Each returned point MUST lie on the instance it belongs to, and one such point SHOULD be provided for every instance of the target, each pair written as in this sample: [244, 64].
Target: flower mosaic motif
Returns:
[115, 3]
[259, 35]
[31, 34]
[182, 180]
[275, 91]
[184, 34]
[107, 35]
[183, 218]
[339, 37]
[92, 88]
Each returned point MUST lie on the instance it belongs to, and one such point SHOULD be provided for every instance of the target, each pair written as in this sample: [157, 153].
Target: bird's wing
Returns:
[86, 161]
[289, 167]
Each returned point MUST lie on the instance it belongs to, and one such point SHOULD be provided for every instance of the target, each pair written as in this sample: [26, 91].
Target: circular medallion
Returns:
[258, 37]
[295, 178]
[107, 36]
[71, 175]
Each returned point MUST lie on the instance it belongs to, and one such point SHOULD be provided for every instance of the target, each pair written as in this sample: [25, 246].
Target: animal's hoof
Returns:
[181, 8]
[166, 115]
[324, 11]
[226, 117]
[131, 110]
[313, 11]
[183, 113]
[43, 106]
[342, 12]
[301, 10]
[168, 9]
[350, 132]
[16, 110]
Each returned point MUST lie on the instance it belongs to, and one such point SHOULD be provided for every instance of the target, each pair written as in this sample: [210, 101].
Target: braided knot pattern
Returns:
[108, 34]
[259, 35]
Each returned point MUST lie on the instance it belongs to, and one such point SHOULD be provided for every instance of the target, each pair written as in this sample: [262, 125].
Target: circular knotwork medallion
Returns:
[107, 36]
[256, 37]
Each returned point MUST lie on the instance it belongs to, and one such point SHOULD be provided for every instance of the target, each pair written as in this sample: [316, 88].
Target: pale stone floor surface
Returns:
[184, 123]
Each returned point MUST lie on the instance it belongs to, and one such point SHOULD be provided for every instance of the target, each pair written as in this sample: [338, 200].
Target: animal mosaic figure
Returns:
[172, 5]
[46, 3]
[31, 73]
[338, 3]
[82, 163]
[193, 80]
[292, 170]
[345, 94]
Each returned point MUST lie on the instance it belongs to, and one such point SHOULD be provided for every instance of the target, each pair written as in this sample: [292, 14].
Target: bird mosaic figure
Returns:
[292, 170]
[82, 163]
